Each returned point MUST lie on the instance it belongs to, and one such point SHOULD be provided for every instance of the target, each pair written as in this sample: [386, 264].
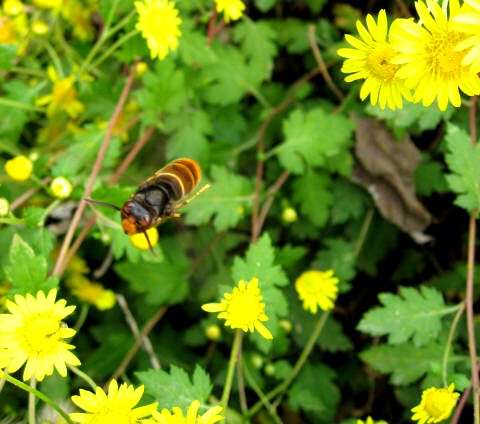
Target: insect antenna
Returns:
[193, 196]
[149, 243]
[97, 202]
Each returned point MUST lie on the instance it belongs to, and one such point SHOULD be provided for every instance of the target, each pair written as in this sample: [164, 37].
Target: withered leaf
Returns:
[385, 167]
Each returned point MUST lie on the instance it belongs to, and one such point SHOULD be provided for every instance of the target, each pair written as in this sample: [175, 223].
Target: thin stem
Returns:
[31, 402]
[133, 350]
[469, 298]
[280, 389]
[61, 264]
[211, 25]
[85, 377]
[82, 317]
[364, 231]
[17, 105]
[38, 394]
[136, 332]
[114, 47]
[237, 341]
[453, 327]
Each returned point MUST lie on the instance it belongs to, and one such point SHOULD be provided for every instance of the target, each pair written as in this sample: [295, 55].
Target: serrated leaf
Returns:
[350, 201]
[313, 194]
[463, 161]
[413, 314]
[312, 137]
[225, 201]
[257, 41]
[405, 363]
[163, 92]
[27, 272]
[176, 388]
[430, 177]
[338, 255]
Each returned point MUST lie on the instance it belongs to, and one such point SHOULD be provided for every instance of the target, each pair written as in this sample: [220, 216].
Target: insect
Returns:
[159, 197]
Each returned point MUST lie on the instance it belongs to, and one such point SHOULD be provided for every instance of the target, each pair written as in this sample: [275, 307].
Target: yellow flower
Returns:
[436, 405]
[91, 292]
[468, 21]
[80, 17]
[213, 332]
[40, 27]
[369, 420]
[232, 9]
[211, 416]
[429, 61]
[4, 206]
[159, 24]
[33, 333]
[371, 60]
[242, 308]
[317, 289]
[47, 4]
[115, 406]
[61, 187]
[63, 96]
[12, 7]
[19, 168]
[289, 215]
[140, 241]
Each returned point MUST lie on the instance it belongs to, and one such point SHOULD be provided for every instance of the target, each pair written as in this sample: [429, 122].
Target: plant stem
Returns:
[456, 319]
[237, 341]
[298, 365]
[32, 419]
[38, 394]
[85, 377]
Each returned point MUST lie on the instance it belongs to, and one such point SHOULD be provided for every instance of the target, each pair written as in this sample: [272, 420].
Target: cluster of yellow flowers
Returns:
[435, 58]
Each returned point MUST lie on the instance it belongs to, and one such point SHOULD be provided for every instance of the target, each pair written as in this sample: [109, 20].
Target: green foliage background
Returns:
[253, 94]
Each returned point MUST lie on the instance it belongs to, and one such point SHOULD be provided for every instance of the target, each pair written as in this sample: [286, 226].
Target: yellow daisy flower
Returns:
[468, 21]
[61, 187]
[211, 416]
[33, 334]
[90, 292]
[63, 96]
[159, 24]
[242, 308]
[115, 406]
[436, 405]
[232, 9]
[317, 289]
[428, 57]
[370, 60]
[19, 168]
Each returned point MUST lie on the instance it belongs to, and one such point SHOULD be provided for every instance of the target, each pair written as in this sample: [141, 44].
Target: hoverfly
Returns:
[159, 197]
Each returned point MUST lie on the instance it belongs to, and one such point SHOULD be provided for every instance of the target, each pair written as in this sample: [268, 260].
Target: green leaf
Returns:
[338, 255]
[315, 392]
[163, 91]
[7, 55]
[414, 314]
[350, 201]
[27, 272]
[225, 201]
[190, 130]
[313, 193]
[312, 138]
[257, 40]
[175, 388]
[430, 177]
[463, 161]
[405, 362]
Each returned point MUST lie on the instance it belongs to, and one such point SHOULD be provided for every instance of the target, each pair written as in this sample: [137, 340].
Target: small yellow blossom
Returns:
[140, 241]
[19, 168]
[47, 4]
[12, 7]
[211, 416]
[243, 308]
[428, 57]
[369, 420]
[213, 332]
[289, 215]
[63, 97]
[79, 17]
[33, 332]
[317, 289]
[4, 206]
[91, 292]
[232, 9]
[117, 405]
[436, 405]
[61, 187]
[159, 24]
[371, 60]
[14, 28]
[40, 27]
[141, 68]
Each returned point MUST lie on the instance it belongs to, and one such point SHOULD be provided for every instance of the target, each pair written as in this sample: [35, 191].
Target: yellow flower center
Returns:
[244, 308]
[442, 57]
[42, 333]
[379, 62]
